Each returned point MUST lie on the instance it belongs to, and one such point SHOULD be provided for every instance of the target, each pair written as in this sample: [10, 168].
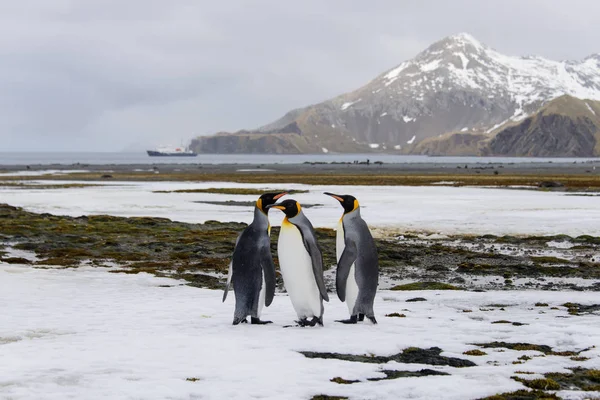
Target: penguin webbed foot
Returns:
[258, 321]
[352, 320]
[302, 322]
[316, 320]
[236, 321]
[361, 317]
[373, 320]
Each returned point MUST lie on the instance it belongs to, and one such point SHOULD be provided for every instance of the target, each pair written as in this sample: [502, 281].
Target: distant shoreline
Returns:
[565, 175]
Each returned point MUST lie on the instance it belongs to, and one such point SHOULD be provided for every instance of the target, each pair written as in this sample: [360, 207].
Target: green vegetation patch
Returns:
[20, 185]
[581, 378]
[547, 350]
[411, 355]
[426, 286]
[475, 352]
[157, 246]
[392, 374]
[539, 384]
[15, 260]
[342, 381]
[397, 315]
[523, 395]
[580, 309]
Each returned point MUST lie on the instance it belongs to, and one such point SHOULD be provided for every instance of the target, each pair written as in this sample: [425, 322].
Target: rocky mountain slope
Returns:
[456, 85]
[565, 127]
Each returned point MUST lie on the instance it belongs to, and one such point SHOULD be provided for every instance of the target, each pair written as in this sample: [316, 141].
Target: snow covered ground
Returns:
[86, 333]
[446, 210]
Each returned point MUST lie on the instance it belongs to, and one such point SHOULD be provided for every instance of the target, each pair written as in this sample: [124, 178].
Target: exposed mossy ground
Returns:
[459, 177]
[186, 251]
[22, 185]
[580, 309]
[523, 395]
[547, 350]
[411, 355]
[475, 352]
[581, 378]
[139, 244]
[426, 286]
[539, 384]
[397, 315]
[393, 374]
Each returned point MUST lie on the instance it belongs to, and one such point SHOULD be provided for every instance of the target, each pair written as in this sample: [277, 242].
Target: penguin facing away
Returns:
[301, 264]
[251, 270]
[357, 272]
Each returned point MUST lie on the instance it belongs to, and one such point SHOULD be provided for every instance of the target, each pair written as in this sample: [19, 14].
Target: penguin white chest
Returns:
[351, 286]
[297, 272]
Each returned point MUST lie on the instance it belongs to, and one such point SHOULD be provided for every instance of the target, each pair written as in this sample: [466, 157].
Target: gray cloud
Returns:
[105, 75]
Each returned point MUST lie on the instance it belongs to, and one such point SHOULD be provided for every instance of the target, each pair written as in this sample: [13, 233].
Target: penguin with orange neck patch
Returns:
[252, 271]
[301, 264]
[357, 272]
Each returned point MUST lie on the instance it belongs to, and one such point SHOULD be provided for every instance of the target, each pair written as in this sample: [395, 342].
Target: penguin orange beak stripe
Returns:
[338, 198]
[280, 195]
[278, 207]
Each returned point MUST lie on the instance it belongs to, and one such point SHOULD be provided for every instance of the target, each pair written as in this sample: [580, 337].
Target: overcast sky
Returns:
[112, 75]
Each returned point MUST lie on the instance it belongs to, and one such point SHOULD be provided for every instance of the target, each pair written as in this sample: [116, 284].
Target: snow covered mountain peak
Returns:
[457, 84]
[461, 62]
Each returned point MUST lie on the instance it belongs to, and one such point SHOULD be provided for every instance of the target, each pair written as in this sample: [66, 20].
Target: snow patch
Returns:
[464, 59]
[324, 150]
[464, 129]
[385, 113]
[147, 340]
[348, 104]
[560, 245]
[398, 147]
[411, 141]
[430, 66]
[448, 210]
[590, 108]
[407, 119]
[496, 126]
[374, 145]
[393, 74]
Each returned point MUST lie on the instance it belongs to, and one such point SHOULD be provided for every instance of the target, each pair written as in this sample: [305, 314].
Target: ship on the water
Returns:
[171, 152]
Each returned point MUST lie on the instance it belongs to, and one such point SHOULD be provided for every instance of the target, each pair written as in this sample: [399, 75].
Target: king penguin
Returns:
[301, 264]
[251, 270]
[357, 272]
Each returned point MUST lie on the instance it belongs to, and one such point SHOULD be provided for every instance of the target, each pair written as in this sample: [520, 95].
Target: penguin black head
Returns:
[348, 202]
[290, 207]
[268, 199]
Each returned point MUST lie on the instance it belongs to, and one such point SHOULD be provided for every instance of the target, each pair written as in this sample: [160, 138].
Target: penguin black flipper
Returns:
[343, 268]
[268, 268]
[230, 275]
[313, 249]
[228, 284]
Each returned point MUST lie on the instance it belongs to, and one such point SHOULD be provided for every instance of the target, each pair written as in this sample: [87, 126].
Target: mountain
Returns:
[565, 127]
[456, 85]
